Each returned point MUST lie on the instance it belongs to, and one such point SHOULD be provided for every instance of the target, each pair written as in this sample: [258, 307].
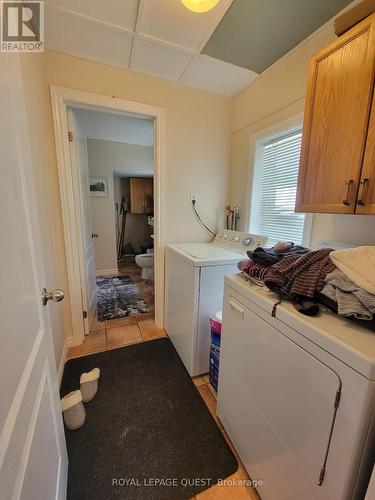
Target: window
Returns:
[275, 186]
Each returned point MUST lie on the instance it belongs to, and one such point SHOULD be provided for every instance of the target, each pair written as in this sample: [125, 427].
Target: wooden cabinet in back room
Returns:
[141, 195]
[337, 167]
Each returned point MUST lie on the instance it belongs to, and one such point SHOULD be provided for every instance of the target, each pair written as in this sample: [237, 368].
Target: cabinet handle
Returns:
[362, 186]
[348, 184]
[237, 309]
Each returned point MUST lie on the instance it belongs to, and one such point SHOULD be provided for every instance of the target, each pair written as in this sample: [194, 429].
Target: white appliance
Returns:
[194, 291]
[296, 396]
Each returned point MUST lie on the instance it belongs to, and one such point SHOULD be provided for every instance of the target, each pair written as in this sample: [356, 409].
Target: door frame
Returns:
[61, 98]
[80, 237]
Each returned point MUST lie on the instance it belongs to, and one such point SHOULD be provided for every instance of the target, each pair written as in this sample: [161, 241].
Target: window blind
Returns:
[280, 158]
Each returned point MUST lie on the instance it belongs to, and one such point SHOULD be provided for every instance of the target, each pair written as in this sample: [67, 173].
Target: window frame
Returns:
[255, 154]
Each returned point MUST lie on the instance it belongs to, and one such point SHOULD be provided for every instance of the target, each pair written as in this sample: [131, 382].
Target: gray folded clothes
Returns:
[351, 299]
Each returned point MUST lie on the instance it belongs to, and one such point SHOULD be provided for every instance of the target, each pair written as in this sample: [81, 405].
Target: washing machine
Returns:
[194, 291]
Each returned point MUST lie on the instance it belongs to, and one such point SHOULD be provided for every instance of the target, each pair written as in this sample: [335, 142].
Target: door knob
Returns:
[56, 295]
[94, 235]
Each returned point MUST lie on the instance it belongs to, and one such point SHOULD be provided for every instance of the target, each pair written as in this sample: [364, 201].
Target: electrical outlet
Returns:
[193, 198]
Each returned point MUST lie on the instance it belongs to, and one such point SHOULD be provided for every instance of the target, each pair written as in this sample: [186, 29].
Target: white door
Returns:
[80, 169]
[33, 458]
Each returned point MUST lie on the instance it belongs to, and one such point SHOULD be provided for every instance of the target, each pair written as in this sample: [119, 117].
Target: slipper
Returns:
[89, 384]
[74, 413]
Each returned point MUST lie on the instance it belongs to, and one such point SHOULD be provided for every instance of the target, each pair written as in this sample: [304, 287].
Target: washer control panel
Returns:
[239, 242]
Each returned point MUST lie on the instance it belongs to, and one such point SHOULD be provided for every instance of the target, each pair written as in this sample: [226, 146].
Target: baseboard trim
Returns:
[60, 371]
[70, 341]
[106, 272]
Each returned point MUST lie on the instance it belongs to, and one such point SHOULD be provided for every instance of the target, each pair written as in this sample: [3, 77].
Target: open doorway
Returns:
[113, 156]
[115, 166]
[134, 207]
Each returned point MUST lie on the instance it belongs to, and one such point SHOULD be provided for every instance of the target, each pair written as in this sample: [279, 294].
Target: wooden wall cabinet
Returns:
[337, 170]
[366, 192]
[141, 195]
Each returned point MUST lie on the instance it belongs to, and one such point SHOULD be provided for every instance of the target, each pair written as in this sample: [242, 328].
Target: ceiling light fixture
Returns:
[200, 5]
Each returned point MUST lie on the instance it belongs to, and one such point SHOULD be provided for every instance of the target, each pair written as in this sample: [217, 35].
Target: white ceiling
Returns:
[157, 37]
[116, 127]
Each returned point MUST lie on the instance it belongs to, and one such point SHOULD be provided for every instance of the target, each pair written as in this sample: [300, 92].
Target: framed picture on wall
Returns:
[99, 186]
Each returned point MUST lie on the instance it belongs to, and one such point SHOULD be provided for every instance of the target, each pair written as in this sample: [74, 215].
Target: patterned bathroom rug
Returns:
[118, 296]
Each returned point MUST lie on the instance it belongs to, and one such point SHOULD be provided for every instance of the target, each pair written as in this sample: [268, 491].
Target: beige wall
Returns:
[276, 96]
[197, 153]
[197, 136]
[44, 165]
[105, 158]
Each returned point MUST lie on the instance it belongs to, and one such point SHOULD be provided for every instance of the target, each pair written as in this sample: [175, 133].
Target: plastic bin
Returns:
[214, 370]
[215, 324]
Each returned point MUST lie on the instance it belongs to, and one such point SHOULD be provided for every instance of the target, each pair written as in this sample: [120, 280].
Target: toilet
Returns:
[146, 262]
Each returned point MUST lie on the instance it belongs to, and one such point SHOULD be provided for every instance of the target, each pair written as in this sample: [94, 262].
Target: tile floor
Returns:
[121, 332]
[131, 269]
[115, 333]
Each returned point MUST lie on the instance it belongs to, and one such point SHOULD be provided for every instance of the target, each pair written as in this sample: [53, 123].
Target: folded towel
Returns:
[358, 264]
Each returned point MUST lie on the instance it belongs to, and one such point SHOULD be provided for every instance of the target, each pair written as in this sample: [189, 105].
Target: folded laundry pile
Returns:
[262, 258]
[351, 299]
[270, 256]
[255, 271]
[352, 284]
[300, 274]
[346, 277]
[358, 264]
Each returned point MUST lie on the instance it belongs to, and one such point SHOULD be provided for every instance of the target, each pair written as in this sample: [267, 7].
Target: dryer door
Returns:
[277, 402]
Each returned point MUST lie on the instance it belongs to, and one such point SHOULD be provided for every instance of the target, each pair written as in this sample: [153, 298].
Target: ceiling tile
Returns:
[170, 20]
[85, 38]
[211, 74]
[159, 60]
[121, 13]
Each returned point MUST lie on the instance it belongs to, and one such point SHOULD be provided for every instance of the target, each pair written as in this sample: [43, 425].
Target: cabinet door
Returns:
[366, 192]
[149, 195]
[137, 196]
[338, 102]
